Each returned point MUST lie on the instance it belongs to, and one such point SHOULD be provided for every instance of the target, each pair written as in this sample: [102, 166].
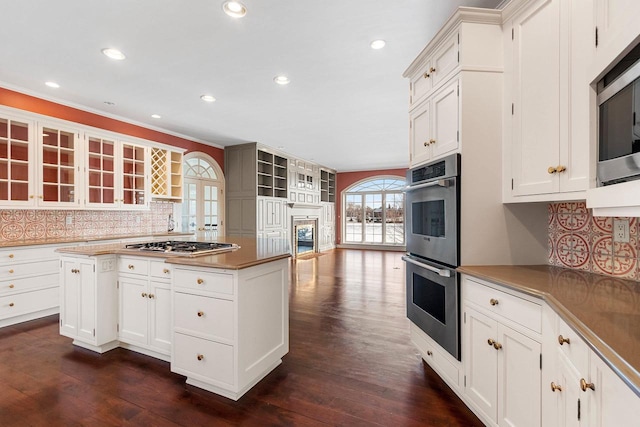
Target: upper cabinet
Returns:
[614, 31]
[60, 165]
[547, 148]
[468, 44]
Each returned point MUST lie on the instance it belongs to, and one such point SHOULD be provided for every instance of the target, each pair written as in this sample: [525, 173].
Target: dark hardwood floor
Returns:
[350, 363]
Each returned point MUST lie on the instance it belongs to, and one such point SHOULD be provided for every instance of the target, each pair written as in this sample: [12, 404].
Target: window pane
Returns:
[353, 218]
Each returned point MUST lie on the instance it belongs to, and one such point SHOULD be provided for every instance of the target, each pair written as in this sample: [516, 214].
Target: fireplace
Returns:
[305, 236]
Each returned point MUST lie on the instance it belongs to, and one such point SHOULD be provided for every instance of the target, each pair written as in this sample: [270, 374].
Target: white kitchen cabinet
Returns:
[29, 283]
[615, 31]
[501, 354]
[166, 174]
[272, 214]
[89, 301]
[434, 125]
[231, 327]
[547, 122]
[17, 154]
[145, 305]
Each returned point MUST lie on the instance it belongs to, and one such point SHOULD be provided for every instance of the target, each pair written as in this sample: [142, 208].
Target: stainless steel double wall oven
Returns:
[432, 207]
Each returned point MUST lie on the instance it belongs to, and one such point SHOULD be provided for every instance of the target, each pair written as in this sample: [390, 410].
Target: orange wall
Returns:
[36, 105]
[347, 179]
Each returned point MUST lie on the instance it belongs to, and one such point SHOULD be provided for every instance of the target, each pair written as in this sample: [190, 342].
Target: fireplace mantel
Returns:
[304, 206]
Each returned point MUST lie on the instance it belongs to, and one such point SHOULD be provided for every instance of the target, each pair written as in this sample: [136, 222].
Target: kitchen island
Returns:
[222, 320]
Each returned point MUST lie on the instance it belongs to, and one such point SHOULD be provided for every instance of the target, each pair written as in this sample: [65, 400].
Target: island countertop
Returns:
[64, 240]
[604, 310]
[251, 252]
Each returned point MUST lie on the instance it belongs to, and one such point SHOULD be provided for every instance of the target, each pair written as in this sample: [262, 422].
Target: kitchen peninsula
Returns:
[221, 319]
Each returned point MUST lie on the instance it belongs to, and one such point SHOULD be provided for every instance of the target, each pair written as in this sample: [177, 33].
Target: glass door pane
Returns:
[58, 151]
[15, 167]
[373, 225]
[353, 214]
[210, 209]
[189, 206]
[394, 218]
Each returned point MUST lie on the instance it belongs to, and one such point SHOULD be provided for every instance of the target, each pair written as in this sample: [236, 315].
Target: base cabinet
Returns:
[89, 301]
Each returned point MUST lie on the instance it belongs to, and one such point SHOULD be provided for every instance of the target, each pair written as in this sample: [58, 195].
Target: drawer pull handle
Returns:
[200, 313]
[11, 304]
[10, 255]
[165, 271]
[11, 286]
[75, 270]
[584, 385]
[493, 301]
[200, 281]
[131, 267]
[144, 295]
[497, 345]
[555, 387]
[563, 340]
[200, 356]
[152, 296]
[11, 271]
[429, 353]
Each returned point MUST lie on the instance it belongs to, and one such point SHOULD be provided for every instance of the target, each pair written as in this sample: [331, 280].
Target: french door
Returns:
[203, 207]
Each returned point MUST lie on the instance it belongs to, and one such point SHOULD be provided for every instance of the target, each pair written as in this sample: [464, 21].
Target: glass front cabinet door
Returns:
[101, 172]
[16, 162]
[135, 182]
[59, 166]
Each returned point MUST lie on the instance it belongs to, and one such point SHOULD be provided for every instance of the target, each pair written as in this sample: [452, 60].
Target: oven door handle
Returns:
[444, 272]
[446, 183]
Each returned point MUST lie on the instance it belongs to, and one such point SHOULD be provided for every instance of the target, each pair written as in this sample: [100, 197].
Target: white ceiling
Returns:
[346, 105]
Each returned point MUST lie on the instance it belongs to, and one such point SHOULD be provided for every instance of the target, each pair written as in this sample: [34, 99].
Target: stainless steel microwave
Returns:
[619, 122]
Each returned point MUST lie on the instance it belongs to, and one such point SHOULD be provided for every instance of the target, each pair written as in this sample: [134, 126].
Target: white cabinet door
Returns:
[160, 315]
[17, 180]
[420, 134]
[519, 378]
[134, 299]
[69, 297]
[445, 60]
[536, 94]
[445, 111]
[481, 367]
[614, 403]
[572, 405]
[616, 19]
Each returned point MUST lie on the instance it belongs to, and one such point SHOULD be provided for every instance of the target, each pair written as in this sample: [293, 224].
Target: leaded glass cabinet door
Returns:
[59, 166]
[16, 162]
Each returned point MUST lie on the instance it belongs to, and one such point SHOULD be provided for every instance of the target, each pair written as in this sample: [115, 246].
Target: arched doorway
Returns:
[203, 201]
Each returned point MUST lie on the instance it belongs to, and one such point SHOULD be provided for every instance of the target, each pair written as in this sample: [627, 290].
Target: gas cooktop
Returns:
[178, 247]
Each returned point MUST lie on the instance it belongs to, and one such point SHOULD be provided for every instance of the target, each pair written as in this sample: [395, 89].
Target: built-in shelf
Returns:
[327, 186]
[272, 175]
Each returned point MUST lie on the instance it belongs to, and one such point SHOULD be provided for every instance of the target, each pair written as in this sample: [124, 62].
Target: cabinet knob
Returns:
[40, 197]
[432, 141]
[165, 271]
[131, 267]
[561, 168]
[200, 281]
[490, 341]
[10, 255]
[11, 304]
[552, 170]
[432, 70]
[584, 385]
[11, 286]
[152, 296]
[493, 301]
[144, 295]
[200, 356]
[497, 345]
[11, 271]
[426, 75]
[429, 353]
[555, 387]
[562, 340]
[31, 196]
[426, 143]
[200, 313]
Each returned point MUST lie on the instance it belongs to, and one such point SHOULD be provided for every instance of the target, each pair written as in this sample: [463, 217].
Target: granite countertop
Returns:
[603, 310]
[59, 240]
[251, 252]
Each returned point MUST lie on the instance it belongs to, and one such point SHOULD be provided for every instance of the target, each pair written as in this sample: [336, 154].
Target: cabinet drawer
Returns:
[204, 281]
[206, 359]
[7, 272]
[17, 255]
[28, 302]
[572, 346]
[160, 269]
[9, 287]
[133, 266]
[206, 316]
[519, 310]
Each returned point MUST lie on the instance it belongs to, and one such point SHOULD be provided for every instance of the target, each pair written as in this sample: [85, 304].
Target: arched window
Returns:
[203, 204]
[373, 211]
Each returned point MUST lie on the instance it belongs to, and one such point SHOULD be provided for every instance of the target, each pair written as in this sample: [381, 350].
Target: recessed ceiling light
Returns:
[208, 98]
[234, 9]
[156, 116]
[378, 44]
[113, 53]
[281, 80]
[52, 84]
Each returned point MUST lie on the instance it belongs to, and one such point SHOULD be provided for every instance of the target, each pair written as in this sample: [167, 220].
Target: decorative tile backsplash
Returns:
[20, 224]
[581, 241]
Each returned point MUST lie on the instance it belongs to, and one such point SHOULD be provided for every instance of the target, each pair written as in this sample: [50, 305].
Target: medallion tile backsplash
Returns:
[581, 241]
[21, 224]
